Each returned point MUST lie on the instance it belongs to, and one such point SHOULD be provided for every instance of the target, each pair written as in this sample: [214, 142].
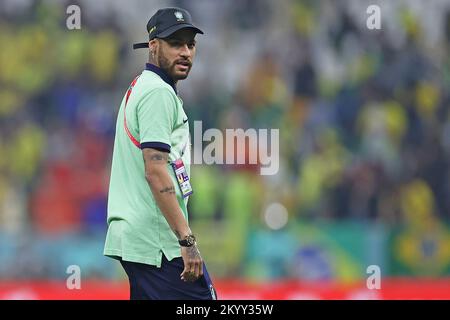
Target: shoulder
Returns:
[160, 96]
[158, 101]
[152, 84]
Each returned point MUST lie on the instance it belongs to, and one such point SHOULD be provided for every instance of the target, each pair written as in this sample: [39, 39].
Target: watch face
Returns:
[190, 240]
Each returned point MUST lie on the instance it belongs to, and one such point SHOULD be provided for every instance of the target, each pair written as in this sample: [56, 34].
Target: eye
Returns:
[191, 45]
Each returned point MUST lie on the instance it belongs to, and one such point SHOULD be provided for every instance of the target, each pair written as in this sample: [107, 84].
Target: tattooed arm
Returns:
[163, 191]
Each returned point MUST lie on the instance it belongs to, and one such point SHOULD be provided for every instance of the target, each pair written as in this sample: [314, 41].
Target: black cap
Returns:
[165, 22]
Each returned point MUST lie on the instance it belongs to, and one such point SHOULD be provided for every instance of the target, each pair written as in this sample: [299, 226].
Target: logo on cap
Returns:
[179, 16]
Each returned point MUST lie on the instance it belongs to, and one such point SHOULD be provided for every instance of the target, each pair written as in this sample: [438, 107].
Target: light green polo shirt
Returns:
[137, 229]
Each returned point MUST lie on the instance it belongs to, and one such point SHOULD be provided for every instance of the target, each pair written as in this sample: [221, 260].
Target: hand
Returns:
[193, 263]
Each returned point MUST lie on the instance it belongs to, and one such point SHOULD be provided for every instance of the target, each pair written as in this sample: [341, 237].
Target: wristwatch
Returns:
[188, 241]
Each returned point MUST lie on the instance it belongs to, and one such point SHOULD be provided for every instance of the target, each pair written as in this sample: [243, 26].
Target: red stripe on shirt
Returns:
[133, 139]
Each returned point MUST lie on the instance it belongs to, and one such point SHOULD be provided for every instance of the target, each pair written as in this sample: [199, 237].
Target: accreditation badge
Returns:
[182, 177]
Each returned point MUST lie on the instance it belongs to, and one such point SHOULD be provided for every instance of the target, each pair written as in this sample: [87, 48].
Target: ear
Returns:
[153, 46]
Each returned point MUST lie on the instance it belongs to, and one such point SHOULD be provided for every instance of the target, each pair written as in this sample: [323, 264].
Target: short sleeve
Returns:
[156, 115]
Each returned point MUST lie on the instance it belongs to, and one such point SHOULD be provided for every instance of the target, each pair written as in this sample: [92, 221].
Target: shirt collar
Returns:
[160, 72]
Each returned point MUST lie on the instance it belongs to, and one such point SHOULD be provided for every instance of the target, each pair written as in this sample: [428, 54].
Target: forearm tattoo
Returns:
[170, 190]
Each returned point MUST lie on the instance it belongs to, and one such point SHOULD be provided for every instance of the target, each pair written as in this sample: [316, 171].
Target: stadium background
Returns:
[364, 119]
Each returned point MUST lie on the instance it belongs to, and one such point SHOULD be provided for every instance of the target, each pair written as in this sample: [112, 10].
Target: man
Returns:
[148, 229]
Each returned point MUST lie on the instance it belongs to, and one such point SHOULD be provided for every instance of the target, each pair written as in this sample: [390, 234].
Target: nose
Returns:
[184, 51]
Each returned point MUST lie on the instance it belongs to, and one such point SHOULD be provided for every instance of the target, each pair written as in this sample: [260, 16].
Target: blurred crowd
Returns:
[364, 115]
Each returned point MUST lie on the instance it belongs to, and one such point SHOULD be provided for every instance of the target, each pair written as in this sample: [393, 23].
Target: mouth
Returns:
[183, 65]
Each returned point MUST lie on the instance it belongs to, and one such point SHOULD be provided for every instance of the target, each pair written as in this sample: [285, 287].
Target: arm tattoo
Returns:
[156, 157]
[170, 190]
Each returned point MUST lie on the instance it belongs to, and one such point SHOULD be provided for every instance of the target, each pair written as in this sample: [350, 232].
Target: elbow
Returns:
[148, 177]
[152, 176]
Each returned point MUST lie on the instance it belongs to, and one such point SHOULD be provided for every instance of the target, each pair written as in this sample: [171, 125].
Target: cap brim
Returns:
[168, 32]
[140, 45]
[177, 27]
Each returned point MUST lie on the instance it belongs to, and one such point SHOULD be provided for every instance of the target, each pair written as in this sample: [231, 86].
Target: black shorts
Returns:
[152, 283]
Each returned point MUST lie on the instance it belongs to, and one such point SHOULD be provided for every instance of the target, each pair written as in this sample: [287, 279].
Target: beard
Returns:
[169, 68]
